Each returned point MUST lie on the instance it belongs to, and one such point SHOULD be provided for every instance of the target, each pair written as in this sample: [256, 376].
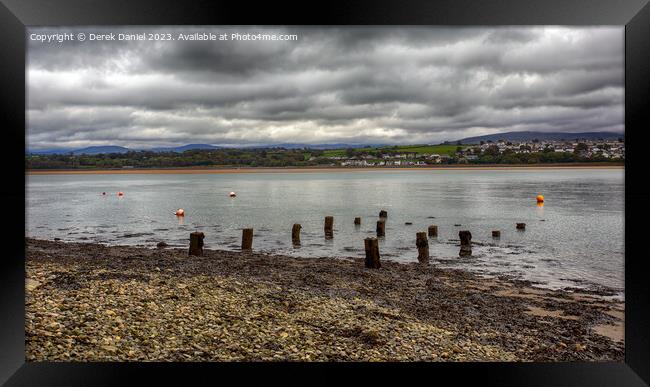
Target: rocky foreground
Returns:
[91, 302]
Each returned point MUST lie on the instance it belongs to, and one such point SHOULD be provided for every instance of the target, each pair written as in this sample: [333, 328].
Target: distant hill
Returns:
[95, 150]
[184, 148]
[91, 150]
[542, 136]
[58, 151]
[315, 146]
[509, 136]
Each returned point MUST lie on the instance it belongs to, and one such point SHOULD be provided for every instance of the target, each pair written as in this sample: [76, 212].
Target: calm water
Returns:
[575, 239]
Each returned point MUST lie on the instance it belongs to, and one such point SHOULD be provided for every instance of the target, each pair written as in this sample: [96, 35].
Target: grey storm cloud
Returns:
[332, 84]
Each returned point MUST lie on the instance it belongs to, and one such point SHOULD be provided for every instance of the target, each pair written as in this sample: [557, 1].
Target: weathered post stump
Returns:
[521, 226]
[433, 230]
[329, 227]
[196, 243]
[465, 243]
[247, 239]
[381, 228]
[383, 214]
[295, 234]
[357, 221]
[496, 234]
[422, 243]
[372, 253]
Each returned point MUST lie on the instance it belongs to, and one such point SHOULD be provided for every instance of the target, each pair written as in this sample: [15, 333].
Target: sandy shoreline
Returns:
[317, 169]
[87, 301]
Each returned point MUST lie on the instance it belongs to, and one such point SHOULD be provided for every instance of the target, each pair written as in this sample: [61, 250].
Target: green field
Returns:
[426, 149]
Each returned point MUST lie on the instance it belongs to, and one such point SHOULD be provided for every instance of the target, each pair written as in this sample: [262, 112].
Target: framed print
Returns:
[369, 190]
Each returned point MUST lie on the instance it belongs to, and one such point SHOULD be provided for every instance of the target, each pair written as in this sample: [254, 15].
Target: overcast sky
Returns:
[352, 85]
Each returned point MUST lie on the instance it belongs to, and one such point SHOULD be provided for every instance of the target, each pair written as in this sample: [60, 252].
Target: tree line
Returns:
[190, 158]
[272, 158]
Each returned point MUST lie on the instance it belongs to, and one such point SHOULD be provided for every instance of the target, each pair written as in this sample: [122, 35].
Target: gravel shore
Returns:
[90, 302]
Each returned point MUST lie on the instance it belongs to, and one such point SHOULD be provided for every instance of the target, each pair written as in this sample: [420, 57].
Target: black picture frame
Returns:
[15, 15]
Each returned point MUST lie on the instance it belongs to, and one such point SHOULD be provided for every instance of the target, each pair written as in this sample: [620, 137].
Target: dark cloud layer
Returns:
[356, 84]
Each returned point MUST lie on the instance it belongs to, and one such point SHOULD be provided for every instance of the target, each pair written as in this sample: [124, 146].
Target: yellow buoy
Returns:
[540, 199]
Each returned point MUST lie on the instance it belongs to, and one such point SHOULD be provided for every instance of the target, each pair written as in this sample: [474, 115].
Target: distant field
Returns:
[428, 149]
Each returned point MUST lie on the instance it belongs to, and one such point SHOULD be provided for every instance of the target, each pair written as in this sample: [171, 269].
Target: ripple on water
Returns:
[136, 234]
[573, 231]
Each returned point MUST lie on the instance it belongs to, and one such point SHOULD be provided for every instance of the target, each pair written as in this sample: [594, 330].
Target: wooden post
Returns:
[196, 243]
[329, 227]
[381, 228]
[372, 253]
[383, 214]
[422, 243]
[433, 230]
[247, 239]
[496, 234]
[357, 221]
[521, 226]
[465, 243]
[295, 234]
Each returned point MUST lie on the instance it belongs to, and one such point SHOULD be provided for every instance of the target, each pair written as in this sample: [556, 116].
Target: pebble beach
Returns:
[92, 302]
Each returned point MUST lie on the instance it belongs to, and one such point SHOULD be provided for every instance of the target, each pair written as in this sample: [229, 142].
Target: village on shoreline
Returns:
[489, 152]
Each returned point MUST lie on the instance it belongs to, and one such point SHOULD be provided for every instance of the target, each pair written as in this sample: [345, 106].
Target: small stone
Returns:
[31, 284]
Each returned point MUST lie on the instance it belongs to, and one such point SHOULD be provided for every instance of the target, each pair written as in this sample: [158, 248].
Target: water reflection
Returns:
[583, 226]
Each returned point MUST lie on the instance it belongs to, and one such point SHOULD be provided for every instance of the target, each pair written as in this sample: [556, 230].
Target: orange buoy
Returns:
[120, 193]
[180, 212]
[540, 199]
[232, 194]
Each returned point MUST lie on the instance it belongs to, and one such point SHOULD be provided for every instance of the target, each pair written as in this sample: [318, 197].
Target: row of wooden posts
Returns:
[371, 244]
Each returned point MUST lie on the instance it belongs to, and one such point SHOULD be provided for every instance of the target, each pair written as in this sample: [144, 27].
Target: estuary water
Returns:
[576, 239]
